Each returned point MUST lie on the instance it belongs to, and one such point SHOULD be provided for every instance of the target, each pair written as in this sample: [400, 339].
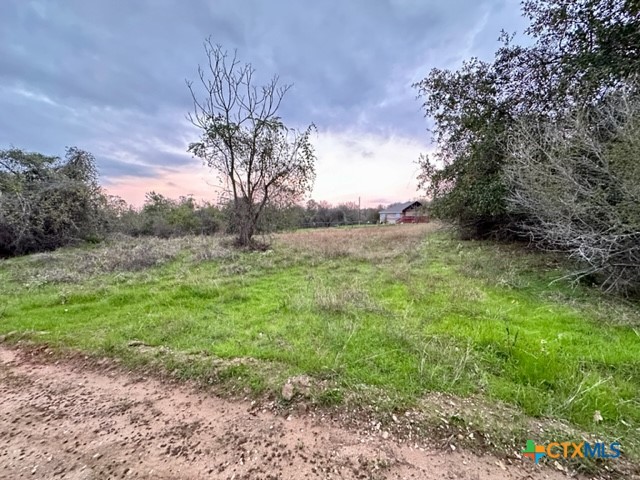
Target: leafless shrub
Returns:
[578, 183]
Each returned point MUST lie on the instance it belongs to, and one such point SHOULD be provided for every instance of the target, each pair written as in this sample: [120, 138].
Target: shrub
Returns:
[578, 183]
[47, 202]
[164, 217]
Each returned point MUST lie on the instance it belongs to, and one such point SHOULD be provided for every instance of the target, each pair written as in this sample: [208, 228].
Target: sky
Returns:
[108, 76]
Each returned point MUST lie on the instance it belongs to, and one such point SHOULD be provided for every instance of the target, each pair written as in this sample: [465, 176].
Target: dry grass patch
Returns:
[120, 254]
[372, 243]
[343, 300]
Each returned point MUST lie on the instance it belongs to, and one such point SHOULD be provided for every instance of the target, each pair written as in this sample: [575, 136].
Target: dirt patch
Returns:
[58, 420]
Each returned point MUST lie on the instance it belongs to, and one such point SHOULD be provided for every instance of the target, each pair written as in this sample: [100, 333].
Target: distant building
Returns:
[408, 212]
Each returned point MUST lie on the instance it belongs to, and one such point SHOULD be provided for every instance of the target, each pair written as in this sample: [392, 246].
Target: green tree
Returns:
[165, 217]
[582, 51]
[593, 46]
[472, 119]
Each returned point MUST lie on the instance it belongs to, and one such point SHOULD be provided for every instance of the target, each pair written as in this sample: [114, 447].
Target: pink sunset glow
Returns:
[376, 169]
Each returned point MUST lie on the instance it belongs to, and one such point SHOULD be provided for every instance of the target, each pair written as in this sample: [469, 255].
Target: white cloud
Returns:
[32, 95]
[376, 168]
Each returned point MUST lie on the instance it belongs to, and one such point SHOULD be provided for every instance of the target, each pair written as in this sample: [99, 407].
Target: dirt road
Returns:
[64, 420]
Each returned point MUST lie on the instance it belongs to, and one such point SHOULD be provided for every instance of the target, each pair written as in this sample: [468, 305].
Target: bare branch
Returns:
[578, 181]
[243, 138]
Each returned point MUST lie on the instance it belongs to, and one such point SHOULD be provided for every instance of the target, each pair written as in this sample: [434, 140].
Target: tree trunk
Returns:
[245, 234]
[246, 225]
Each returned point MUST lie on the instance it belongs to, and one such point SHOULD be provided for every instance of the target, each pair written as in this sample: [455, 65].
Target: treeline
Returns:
[47, 202]
[543, 142]
[164, 217]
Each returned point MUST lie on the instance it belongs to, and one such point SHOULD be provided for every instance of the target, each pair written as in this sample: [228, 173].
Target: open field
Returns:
[471, 337]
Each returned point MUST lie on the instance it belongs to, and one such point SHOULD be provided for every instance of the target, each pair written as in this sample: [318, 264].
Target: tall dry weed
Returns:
[375, 243]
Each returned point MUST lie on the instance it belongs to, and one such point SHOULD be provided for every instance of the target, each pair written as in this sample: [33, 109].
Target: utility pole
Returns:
[358, 210]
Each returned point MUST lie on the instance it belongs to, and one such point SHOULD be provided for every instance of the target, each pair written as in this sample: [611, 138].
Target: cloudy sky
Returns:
[109, 76]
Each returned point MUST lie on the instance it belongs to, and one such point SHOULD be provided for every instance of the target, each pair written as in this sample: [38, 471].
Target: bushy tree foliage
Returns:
[472, 117]
[47, 202]
[542, 140]
[164, 217]
[589, 47]
[581, 51]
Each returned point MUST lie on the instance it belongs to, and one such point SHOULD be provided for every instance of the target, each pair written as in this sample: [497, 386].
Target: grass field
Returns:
[386, 318]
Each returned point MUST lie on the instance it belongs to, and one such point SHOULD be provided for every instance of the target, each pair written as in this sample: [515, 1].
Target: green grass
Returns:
[376, 316]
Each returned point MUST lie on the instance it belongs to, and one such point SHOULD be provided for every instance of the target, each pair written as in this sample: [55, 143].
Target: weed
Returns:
[330, 397]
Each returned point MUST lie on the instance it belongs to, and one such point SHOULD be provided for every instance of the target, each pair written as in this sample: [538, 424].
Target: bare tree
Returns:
[578, 183]
[259, 159]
